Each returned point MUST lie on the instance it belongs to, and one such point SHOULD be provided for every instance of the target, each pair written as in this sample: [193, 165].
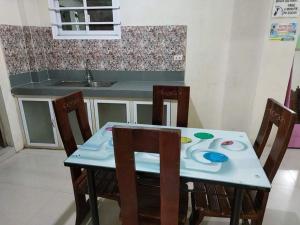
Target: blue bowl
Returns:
[215, 157]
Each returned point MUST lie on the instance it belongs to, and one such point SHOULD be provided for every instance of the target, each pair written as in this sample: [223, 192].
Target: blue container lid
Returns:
[215, 157]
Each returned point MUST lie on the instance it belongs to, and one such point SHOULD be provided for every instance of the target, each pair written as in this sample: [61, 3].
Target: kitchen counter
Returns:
[129, 84]
[130, 89]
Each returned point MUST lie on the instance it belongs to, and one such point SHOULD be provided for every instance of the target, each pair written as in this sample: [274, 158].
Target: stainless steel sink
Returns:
[101, 83]
[84, 83]
[71, 83]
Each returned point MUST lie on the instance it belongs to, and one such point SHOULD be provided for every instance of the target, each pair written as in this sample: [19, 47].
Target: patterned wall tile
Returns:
[15, 51]
[29, 48]
[141, 48]
[92, 54]
[38, 43]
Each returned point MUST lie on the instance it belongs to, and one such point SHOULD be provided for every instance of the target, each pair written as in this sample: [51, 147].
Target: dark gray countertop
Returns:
[122, 89]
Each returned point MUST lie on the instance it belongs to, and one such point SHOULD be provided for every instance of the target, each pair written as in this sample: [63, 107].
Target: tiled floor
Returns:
[35, 189]
[6, 152]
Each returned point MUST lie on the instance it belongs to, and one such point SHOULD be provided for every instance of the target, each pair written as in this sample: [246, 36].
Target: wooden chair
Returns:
[106, 185]
[179, 93]
[216, 200]
[295, 102]
[161, 93]
[142, 204]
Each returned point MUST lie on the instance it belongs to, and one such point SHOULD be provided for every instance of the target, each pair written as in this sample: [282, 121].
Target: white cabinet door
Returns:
[111, 111]
[143, 112]
[75, 125]
[38, 122]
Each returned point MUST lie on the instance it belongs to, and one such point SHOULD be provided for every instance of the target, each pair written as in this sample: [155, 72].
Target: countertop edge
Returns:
[121, 90]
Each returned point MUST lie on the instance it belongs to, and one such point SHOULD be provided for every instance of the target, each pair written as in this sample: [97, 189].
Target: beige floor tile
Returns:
[60, 210]
[37, 168]
[19, 203]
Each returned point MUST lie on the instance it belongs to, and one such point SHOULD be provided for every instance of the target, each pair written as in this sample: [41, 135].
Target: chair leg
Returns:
[257, 221]
[245, 222]
[260, 219]
[195, 217]
[82, 208]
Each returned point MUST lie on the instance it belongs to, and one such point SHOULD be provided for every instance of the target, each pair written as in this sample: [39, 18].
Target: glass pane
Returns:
[70, 3]
[38, 120]
[101, 15]
[144, 114]
[111, 112]
[75, 126]
[101, 27]
[99, 2]
[72, 16]
[74, 27]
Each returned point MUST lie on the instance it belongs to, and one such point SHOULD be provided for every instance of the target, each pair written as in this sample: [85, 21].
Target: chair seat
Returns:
[216, 201]
[149, 205]
[106, 184]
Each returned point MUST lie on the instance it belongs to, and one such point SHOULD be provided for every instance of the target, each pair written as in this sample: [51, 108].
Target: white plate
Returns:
[198, 155]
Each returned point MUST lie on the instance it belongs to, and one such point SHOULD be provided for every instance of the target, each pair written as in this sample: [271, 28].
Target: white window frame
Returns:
[59, 33]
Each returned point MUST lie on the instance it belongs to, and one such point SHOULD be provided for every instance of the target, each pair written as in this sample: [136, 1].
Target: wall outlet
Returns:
[178, 57]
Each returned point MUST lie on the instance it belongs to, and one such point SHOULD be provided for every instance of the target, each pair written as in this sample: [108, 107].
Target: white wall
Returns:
[9, 14]
[34, 12]
[249, 25]
[231, 65]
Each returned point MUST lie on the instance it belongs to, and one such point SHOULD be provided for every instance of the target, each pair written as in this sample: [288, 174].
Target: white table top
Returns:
[241, 168]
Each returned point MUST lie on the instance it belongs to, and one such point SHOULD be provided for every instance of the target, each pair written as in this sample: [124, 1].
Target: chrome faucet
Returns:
[88, 73]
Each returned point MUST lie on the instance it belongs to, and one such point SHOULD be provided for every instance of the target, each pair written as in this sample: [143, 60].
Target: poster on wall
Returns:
[283, 31]
[286, 8]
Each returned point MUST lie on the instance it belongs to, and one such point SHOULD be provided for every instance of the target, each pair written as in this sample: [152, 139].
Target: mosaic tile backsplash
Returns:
[141, 48]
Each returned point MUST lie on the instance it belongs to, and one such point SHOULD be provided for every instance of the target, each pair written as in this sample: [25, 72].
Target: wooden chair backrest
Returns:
[295, 102]
[284, 118]
[62, 107]
[179, 93]
[166, 142]
[280, 116]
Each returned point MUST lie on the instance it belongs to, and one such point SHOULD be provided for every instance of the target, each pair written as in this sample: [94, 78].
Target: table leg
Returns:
[93, 196]
[237, 206]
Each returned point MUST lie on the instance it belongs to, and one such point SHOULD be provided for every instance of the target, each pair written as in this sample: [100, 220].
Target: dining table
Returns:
[207, 155]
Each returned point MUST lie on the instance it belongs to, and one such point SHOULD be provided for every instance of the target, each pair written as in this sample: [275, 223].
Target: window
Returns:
[85, 19]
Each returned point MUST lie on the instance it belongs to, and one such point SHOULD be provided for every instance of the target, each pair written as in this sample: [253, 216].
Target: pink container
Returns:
[295, 138]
